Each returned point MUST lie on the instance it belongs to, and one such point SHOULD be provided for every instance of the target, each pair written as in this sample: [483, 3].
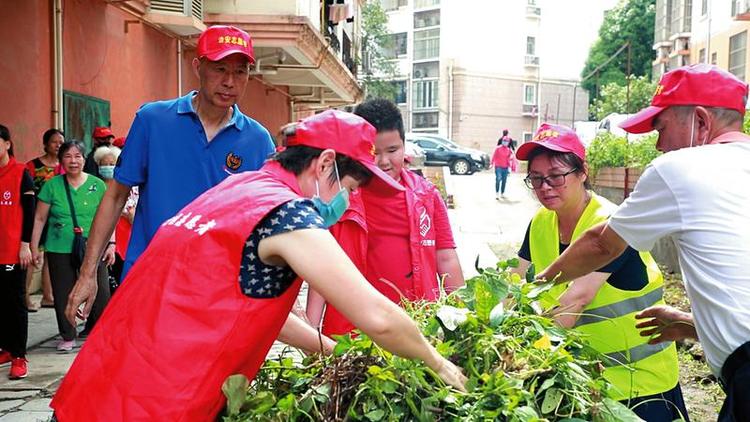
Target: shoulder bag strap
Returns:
[70, 203]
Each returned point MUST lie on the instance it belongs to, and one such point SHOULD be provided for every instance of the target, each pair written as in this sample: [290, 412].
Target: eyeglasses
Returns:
[553, 180]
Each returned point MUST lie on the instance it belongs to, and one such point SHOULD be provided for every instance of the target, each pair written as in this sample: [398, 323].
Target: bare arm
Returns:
[40, 219]
[576, 297]
[84, 291]
[598, 246]
[297, 333]
[315, 303]
[316, 257]
[449, 266]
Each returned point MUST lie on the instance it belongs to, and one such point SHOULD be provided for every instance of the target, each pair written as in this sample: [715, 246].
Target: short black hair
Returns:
[505, 132]
[383, 114]
[297, 158]
[5, 135]
[67, 145]
[4, 132]
[568, 158]
[49, 133]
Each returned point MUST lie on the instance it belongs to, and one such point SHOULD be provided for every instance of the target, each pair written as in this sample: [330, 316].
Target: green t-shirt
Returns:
[86, 199]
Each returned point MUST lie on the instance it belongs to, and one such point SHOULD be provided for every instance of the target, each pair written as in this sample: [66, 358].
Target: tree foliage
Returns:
[630, 20]
[377, 67]
[613, 97]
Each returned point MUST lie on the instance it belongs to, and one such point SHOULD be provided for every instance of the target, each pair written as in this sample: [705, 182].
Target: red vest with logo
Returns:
[180, 324]
[422, 247]
[11, 213]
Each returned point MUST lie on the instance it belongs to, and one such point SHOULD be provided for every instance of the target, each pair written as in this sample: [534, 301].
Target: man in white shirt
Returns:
[700, 198]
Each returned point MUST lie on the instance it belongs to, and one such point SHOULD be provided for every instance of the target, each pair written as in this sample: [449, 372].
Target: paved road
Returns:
[478, 221]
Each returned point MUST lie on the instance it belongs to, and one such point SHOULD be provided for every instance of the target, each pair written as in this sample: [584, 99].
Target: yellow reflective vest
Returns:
[634, 367]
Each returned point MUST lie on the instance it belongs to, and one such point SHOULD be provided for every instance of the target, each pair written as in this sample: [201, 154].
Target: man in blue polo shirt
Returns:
[178, 149]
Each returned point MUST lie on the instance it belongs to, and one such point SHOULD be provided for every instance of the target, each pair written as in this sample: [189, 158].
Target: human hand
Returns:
[109, 254]
[452, 375]
[36, 257]
[84, 292]
[24, 256]
[665, 323]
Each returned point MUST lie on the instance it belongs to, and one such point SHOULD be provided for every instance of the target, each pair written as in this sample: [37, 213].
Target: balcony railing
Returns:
[530, 110]
[347, 56]
[332, 38]
[531, 60]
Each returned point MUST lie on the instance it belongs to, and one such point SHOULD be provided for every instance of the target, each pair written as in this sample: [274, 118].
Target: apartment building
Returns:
[672, 34]
[468, 70]
[85, 63]
[720, 35]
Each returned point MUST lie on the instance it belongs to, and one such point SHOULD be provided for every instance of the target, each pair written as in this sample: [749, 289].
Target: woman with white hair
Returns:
[106, 157]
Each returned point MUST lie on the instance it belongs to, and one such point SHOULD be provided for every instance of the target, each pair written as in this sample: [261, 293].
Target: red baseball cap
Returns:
[219, 41]
[347, 134]
[695, 85]
[119, 142]
[553, 137]
[102, 132]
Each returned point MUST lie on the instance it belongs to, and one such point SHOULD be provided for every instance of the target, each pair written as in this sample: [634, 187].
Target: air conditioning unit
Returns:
[419, 74]
[183, 17]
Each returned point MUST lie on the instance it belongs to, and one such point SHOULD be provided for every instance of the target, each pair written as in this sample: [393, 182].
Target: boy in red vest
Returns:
[402, 243]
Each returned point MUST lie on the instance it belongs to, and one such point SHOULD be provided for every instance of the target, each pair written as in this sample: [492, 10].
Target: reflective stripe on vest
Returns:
[633, 367]
[622, 308]
[634, 354]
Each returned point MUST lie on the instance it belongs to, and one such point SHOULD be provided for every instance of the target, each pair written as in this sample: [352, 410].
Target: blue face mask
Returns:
[332, 210]
[107, 172]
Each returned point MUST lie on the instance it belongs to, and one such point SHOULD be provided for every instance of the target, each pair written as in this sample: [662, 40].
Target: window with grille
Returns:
[394, 45]
[400, 87]
[388, 5]
[529, 94]
[427, 18]
[425, 120]
[427, 44]
[424, 94]
[531, 46]
[737, 53]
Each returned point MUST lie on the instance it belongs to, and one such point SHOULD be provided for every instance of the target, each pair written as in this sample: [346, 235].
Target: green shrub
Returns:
[608, 150]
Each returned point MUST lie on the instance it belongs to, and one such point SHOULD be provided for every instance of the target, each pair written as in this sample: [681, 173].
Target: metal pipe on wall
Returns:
[58, 117]
[179, 67]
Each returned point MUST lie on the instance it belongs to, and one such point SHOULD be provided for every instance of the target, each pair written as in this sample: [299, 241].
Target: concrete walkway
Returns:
[478, 221]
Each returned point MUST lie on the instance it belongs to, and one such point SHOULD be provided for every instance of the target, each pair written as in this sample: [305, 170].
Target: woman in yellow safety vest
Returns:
[603, 304]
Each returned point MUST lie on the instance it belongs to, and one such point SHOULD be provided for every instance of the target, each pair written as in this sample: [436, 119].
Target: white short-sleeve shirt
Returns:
[701, 198]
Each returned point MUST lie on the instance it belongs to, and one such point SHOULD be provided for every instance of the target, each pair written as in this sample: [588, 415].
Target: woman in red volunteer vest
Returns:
[402, 243]
[16, 223]
[216, 285]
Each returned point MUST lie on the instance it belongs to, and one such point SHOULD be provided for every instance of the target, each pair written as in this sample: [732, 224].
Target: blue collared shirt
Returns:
[168, 156]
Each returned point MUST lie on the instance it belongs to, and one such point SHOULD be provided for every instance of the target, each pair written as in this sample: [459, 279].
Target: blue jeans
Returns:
[501, 176]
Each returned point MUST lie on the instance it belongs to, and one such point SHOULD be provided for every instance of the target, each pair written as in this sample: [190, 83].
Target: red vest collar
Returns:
[279, 173]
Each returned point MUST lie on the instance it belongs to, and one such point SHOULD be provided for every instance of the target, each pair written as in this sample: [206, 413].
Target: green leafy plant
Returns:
[520, 366]
[609, 150]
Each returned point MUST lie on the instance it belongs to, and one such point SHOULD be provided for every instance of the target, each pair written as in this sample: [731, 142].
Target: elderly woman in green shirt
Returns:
[53, 208]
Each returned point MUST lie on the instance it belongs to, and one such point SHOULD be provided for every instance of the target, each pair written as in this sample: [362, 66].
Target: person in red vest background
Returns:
[215, 287]
[402, 243]
[17, 217]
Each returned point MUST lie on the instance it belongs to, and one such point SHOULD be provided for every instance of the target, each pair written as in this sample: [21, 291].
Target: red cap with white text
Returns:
[219, 41]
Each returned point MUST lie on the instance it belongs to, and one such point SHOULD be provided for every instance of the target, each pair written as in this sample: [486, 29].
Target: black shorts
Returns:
[735, 378]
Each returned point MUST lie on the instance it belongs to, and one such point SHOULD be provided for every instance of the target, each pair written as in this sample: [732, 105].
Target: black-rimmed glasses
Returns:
[553, 180]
